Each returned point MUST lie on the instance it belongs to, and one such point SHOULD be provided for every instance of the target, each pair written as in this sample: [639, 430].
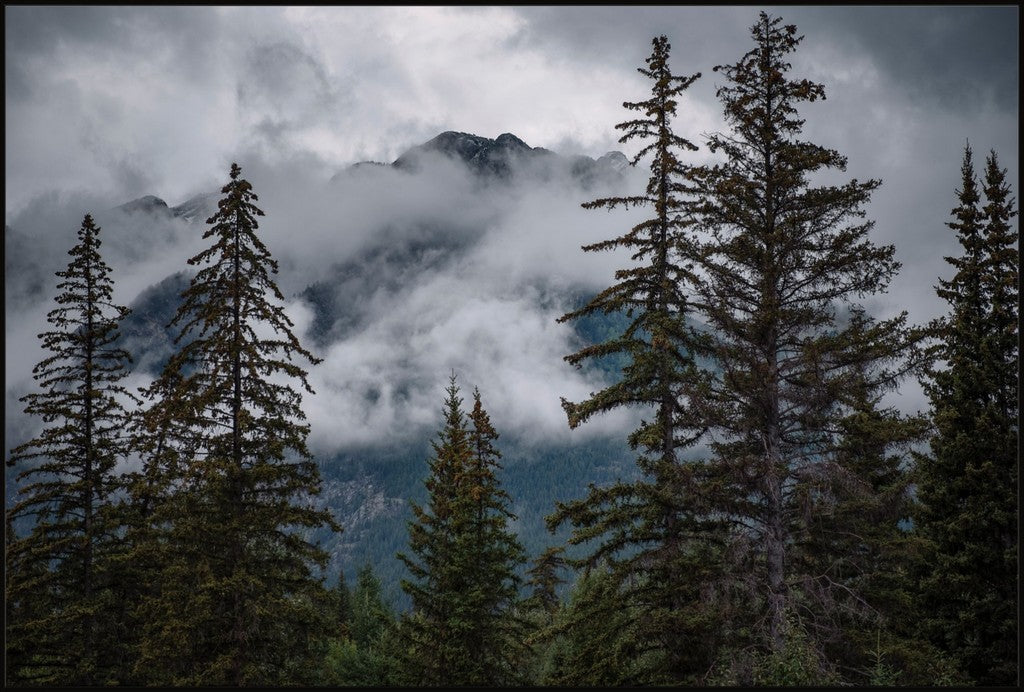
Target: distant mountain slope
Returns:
[368, 486]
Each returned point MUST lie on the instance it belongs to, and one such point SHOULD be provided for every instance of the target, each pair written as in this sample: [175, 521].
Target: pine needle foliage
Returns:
[464, 561]
[229, 483]
[858, 553]
[544, 579]
[783, 267]
[967, 484]
[595, 637]
[651, 533]
[63, 629]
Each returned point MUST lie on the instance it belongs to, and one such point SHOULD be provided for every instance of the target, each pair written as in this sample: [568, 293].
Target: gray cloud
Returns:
[958, 58]
[104, 104]
[453, 274]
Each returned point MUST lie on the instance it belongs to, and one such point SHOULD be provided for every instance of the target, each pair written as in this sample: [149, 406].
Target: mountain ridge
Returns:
[369, 486]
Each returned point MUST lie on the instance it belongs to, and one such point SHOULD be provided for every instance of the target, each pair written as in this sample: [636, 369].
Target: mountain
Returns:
[505, 157]
[194, 209]
[494, 157]
[368, 485]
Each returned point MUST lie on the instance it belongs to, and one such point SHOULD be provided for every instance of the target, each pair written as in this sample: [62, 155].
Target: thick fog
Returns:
[454, 272]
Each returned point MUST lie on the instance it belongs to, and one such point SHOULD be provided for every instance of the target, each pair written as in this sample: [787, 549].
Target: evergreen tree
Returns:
[966, 486]
[342, 606]
[544, 580]
[364, 655]
[64, 630]
[652, 533]
[784, 262]
[370, 617]
[229, 485]
[495, 556]
[857, 535]
[1000, 266]
[462, 630]
[595, 637]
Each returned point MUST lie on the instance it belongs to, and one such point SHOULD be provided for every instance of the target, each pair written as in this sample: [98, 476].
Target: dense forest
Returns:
[785, 523]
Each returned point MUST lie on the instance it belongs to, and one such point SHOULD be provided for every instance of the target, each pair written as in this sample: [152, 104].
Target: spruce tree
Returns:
[652, 533]
[65, 630]
[1000, 277]
[783, 266]
[229, 485]
[966, 487]
[342, 606]
[464, 560]
[495, 556]
[544, 580]
[858, 535]
[595, 636]
[364, 656]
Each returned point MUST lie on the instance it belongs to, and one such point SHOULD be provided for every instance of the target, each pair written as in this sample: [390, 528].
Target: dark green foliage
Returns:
[363, 654]
[342, 606]
[783, 263]
[967, 485]
[859, 552]
[228, 485]
[1000, 266]
[593, 641]
[370, 617]
[461, 630]
[62, 628]
[544, 580]
[651, 532]
[796, 664]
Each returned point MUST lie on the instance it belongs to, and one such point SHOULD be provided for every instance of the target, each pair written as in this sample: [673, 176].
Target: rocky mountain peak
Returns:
[148, 204]
[502, 156]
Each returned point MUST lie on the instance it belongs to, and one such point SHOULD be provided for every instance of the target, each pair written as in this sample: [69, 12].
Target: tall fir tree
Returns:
[652, 532]
[495, 556]
[783, 266]
[463, 629]
[65, 630]
[229, 487]
[858, 536]
[967, 484]
[1000, 276]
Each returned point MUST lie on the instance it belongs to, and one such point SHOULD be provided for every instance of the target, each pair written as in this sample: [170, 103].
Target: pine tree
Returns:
[229, 482]
[544, 580]
[342, 606]
[857, 535]
[365, 654]
[370, 617]
[1000, 275]
[652, 532]
[595, 636]
[784, 262]
[464, 561]
[968, 504]
[59, 574]
[495, 556]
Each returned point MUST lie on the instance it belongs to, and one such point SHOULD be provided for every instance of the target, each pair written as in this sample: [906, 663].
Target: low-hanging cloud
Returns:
[436, 271]
[455, 273]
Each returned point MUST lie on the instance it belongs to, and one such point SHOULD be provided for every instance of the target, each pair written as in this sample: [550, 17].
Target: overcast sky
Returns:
[109, 103]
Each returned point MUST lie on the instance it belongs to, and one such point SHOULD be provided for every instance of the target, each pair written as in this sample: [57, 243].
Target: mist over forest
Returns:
[436, 366]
